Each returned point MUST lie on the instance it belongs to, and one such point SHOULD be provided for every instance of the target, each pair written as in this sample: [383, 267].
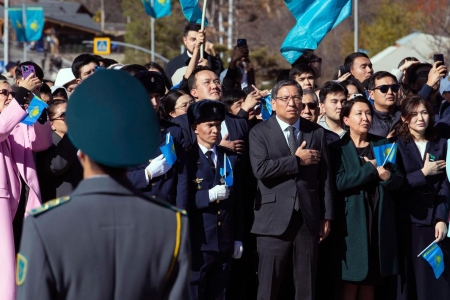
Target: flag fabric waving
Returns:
[34, 110]
[192, 12]
[32, 31]
[434, 256]
[266, 107]
[314, 20]
[385, 153]
[168, 150]
[157, 8]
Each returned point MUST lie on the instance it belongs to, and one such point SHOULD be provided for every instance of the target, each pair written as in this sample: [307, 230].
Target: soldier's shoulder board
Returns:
[168, 205]
[49, 205]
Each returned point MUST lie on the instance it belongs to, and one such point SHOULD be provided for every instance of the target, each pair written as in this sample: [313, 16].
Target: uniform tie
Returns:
[208, 156]
[292, 141]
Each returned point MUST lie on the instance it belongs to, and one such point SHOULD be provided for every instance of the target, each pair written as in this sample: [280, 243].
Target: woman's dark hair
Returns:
[351, 81]
[52, 106]
[408, 108]
[133, 69]
[347, 108]
[153, 65]
[169, 101]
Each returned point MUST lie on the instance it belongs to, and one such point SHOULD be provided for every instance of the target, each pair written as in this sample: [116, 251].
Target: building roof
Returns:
[70, 14]
[417, 44]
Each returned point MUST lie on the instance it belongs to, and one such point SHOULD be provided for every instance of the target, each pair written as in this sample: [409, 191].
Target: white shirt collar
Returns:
[285, 125]
[204, 149]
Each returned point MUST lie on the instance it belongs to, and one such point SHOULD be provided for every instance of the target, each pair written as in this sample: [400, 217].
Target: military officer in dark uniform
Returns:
[215, 207]
[157, 178]
[106, 240]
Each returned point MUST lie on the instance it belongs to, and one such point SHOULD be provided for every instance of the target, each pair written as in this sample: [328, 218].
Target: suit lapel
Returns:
[413, 153]
[278, 136]
[203, 165]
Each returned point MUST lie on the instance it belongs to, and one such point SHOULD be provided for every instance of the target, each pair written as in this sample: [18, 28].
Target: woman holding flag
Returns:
[424, 202]
[364, 230]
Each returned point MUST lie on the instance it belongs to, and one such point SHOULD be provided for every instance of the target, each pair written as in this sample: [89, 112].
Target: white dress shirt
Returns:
[284, 127]
[214, 153]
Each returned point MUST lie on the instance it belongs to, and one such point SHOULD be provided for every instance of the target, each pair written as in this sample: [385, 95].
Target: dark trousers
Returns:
[210, 275]
[417, 280]
[297, 245]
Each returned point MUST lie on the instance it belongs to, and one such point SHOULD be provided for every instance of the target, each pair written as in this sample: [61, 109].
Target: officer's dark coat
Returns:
[106, 242]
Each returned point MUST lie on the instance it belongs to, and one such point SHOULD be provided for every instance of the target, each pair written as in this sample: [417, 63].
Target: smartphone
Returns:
[344, 70]
[27, 70]
[241, 43]
[439, 57]
[248, 89]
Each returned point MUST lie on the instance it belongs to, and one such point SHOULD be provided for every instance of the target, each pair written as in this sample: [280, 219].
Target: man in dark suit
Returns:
[205, 84]
[106, 240]
[293, 205]
[156, 178]
[182, 60]
[215, 205]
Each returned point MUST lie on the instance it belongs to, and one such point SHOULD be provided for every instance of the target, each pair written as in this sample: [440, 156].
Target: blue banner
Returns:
[434, 256]
[192, 12]
[160, 8]
[314, 20]
[34, 110]
[168, 150]
[32, 31]
[228, 177]
[385, 153]
[266, 107]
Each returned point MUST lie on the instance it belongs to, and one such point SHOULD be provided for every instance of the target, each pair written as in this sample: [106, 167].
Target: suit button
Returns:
[153, 184]
[219, 223]
[153, 197]
[218, 212]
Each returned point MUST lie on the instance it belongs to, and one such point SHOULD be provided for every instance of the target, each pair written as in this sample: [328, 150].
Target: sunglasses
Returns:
[7, 93]
[61, 117]
[311, 105]
[385, 88]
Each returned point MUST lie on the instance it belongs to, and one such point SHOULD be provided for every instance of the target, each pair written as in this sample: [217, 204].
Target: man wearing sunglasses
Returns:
[384, 88]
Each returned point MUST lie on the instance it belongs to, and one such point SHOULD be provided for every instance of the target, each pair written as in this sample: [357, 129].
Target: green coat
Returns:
[350, 230]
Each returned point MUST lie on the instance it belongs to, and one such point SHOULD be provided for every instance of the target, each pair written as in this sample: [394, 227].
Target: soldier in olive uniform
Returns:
[106, 240]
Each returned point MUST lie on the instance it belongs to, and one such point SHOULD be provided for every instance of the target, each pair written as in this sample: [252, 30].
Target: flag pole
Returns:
[24, 23]
[152, 33]
[202, 47]
[225, 167]
[355, 18]
[389, 153]
[6, 36]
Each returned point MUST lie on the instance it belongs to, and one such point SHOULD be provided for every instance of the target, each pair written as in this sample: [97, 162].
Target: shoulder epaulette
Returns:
[168, 205]
[49, 205]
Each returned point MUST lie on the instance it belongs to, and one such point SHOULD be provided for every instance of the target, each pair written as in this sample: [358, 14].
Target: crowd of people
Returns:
[290, 206]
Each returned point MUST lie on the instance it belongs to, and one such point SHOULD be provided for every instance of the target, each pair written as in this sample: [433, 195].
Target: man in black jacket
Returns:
[182, 60]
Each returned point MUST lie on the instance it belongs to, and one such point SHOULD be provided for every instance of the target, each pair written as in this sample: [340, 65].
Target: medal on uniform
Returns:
[198, 181]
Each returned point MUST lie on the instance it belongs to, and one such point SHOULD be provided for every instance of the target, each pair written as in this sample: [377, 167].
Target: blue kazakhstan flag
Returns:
[385, 153]
[157, 8]
[168, 150]
[32, 31]
[434, 256]
[34, 110]
[314, 20]
[192, 12]
[266, 107]
[228, 178]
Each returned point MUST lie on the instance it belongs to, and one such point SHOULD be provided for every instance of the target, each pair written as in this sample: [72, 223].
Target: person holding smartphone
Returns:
[424, 200]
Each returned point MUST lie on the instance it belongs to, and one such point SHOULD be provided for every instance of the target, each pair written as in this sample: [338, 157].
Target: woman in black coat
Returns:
[59, 170]
[424, 202]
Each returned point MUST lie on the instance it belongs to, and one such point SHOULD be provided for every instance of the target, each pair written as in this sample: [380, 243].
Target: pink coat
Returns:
[17, 144]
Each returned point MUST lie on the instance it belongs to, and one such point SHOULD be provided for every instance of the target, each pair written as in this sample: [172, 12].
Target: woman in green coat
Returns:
[365, 230]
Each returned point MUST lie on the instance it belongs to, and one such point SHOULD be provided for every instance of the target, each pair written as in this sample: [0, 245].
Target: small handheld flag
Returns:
[168, 150]
[266, 107]
[192, 12]
[34, 110]
[227, 171]
[385, 153]
[434, 256]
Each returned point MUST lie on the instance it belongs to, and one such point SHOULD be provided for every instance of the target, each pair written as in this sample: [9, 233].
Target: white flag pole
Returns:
[202, 48]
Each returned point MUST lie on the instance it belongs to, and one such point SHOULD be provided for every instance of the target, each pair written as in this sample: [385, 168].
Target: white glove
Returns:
[219, 192]
[158, 167]
[238, 249]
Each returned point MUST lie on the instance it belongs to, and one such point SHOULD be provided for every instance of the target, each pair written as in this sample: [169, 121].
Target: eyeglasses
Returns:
[61, 117]
[311, 105]
[385, 88]
[297, 99]
[7, 93]
[185, 105]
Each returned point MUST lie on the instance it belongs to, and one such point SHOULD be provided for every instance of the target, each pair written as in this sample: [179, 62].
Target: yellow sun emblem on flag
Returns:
[162, 2]
[438, 260]
[34, 112]
[19, 25]
[34, 25]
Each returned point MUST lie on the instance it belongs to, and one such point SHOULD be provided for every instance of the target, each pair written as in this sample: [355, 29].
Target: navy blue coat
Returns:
[237, 129]
[171, 186]
[424, 199]
[213, 226]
